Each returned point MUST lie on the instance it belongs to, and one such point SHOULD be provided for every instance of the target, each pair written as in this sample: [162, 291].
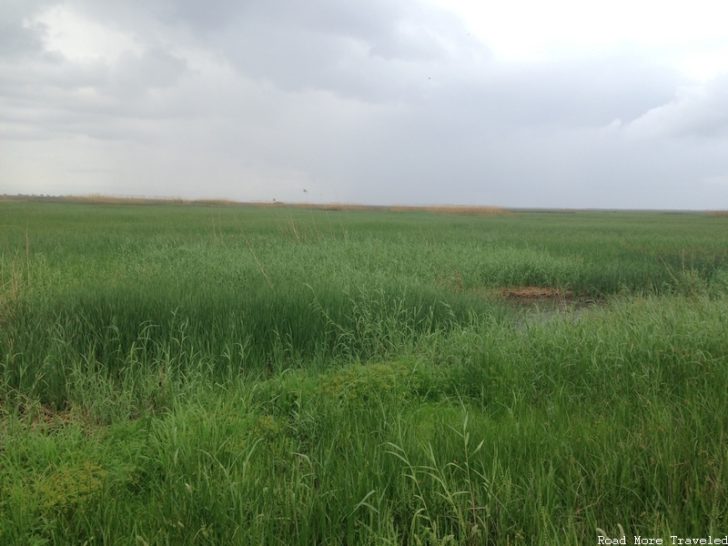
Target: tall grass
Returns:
[187, 375]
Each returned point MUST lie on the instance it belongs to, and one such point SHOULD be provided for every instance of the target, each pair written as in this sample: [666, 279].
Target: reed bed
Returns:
[280, 375]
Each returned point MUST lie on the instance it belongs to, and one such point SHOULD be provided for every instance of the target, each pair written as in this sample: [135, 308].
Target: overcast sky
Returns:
[566, 103]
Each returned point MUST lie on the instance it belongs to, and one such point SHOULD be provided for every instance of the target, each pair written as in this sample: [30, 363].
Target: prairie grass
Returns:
[248, 375]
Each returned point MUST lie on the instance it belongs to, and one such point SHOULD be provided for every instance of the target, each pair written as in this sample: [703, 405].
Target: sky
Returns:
[519, 103]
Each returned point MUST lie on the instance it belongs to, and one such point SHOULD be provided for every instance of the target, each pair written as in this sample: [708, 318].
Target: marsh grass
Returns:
[238, 375]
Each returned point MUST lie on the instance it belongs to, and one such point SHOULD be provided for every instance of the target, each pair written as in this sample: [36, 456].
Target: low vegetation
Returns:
[209, 374]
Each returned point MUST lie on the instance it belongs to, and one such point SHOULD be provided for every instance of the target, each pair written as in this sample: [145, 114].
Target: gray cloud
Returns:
[16, 41]
[20, 39]
[377, 102]
[700, 112]
[392, 30]
[373, 51]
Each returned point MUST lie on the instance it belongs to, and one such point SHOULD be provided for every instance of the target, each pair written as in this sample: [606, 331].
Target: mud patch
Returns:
[540, 304]
[536, 294]
[546, 300]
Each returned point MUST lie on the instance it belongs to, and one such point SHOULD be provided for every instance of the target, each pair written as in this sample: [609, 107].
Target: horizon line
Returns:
[110, 199]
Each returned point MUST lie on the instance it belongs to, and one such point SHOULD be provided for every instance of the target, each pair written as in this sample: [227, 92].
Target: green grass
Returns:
[242, 375]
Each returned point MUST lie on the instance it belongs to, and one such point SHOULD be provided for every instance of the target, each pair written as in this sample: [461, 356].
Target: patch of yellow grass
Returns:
[108, 199]
[337, 206]
[100, 199]
[455, 209]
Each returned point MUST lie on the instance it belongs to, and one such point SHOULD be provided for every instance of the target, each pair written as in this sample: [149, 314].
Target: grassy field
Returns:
[212, 374]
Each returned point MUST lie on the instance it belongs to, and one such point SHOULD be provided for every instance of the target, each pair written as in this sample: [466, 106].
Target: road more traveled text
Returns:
[674, 539]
